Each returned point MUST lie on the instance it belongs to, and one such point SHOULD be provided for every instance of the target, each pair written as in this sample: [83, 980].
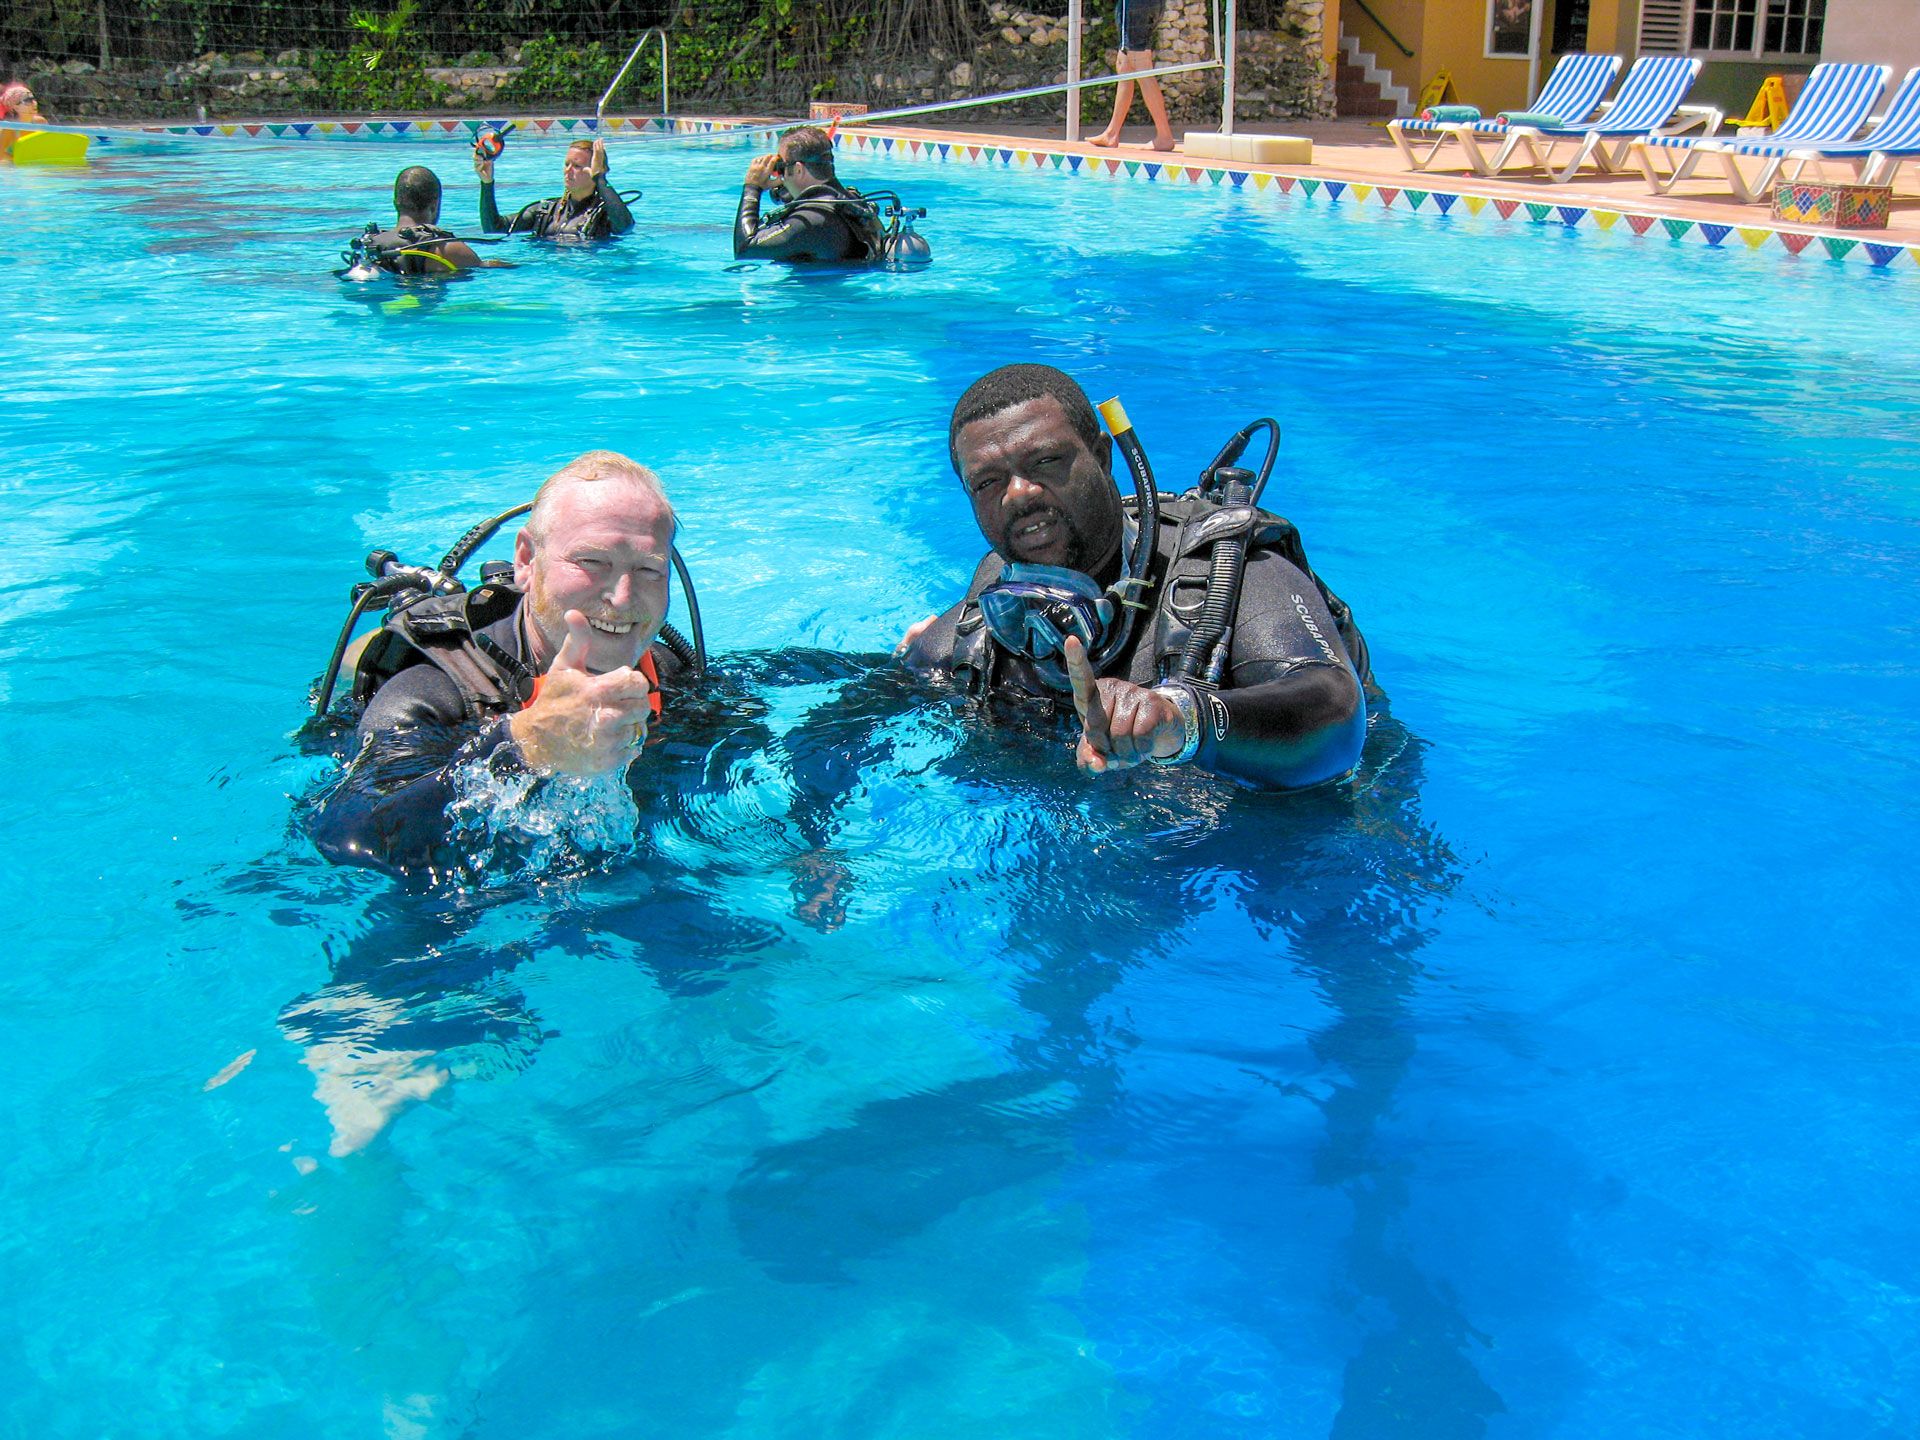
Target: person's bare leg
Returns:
[1156, 104]
[1122, 102]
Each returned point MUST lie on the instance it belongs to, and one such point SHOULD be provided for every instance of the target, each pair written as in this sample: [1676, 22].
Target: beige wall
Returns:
[1453, 37]
[1886, 31]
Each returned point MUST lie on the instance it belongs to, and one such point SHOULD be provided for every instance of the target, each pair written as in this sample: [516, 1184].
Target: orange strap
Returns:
[646, 667]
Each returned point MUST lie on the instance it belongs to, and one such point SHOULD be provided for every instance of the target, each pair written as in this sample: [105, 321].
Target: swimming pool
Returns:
[1558, 1084]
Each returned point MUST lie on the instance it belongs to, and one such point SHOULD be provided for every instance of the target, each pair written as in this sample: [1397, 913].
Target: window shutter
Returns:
[1663, 27]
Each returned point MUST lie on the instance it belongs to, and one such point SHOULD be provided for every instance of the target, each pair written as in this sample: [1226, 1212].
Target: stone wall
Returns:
[1282, 75]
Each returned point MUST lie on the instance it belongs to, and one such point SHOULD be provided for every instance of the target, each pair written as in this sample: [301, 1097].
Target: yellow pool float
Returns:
[43, 147]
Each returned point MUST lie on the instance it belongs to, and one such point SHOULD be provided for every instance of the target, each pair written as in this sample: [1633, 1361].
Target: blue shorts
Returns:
[1137, 19]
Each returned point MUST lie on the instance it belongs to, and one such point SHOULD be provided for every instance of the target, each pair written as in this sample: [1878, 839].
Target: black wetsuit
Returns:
[600, 215]
[825, 223]
[390, 810]
[1291, 712]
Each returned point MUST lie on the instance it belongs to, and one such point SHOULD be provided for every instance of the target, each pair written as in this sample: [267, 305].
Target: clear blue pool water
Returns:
[1560, 1081]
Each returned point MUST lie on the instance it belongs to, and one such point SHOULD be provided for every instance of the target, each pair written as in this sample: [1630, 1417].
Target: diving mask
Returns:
[1032, 609]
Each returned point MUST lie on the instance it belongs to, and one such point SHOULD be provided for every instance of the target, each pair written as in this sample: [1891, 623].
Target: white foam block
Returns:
[1259, 149]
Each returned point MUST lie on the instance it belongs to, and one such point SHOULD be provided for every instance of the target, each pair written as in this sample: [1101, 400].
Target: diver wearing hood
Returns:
[1184, 629]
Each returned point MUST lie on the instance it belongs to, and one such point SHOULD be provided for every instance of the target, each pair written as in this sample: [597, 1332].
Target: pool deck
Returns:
[1359, 151]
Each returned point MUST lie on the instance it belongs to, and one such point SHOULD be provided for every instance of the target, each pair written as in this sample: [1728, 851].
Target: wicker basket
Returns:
[1844, 207]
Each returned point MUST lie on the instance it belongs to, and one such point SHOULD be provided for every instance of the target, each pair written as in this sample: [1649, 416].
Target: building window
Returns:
[1758, 27]
[1509, 27]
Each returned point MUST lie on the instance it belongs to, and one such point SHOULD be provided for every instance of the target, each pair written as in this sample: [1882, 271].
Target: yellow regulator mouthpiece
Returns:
[1115, 414]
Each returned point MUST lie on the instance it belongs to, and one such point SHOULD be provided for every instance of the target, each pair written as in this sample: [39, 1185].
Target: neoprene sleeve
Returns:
[808, 232]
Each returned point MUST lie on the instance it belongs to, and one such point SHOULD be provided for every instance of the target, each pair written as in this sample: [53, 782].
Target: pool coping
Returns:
[1440, 196]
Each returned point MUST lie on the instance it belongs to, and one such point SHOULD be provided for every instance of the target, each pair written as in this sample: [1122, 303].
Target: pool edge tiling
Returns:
[1442, 199]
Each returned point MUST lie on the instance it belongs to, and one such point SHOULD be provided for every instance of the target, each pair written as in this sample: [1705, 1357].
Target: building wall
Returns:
[1886, 31]
[1454, 38]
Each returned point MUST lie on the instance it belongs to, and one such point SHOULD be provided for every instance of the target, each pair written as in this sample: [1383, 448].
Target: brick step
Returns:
[1362, 100]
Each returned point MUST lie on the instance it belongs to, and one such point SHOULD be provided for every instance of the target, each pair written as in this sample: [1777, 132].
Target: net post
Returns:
[1073, 69]
[1229, 60]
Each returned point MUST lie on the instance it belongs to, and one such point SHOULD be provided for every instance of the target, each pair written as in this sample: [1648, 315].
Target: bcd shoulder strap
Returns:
[444, 631]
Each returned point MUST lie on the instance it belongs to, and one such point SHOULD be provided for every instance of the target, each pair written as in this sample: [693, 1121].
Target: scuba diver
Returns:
[415, 244]
[587, 209]
[1186, 629]
[824, 221]
[556, 665]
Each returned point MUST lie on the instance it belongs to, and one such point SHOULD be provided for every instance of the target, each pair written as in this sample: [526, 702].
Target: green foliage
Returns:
[555, 69]
[382, 71]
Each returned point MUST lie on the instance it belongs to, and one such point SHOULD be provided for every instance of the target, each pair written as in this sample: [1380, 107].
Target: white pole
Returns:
[1073, 69]
[1227, 75]
[1533, 50]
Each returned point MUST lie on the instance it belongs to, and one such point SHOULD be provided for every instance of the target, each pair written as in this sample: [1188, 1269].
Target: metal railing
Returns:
[1398, 43]
[656, 33]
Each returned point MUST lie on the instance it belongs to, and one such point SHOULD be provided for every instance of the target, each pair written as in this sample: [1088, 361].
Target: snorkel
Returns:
[1033, 609]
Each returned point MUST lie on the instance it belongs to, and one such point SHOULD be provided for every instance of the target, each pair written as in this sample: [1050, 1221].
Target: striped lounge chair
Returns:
[1829, 112]
[1571, 94]
[1879, 155]
[1648, 103]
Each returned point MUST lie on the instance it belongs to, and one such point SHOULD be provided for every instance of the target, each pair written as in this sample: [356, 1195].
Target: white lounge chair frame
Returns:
[1875, 159]
[1648, 104]
[1829, 111]
[1572, 93]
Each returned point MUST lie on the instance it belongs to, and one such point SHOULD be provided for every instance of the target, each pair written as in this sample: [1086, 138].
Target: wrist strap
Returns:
[1189, 708]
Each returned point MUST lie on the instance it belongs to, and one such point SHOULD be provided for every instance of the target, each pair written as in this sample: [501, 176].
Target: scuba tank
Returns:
[904, 248]
[431, 615]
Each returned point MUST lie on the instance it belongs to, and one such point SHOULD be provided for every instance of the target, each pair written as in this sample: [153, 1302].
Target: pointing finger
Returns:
[1095, 743]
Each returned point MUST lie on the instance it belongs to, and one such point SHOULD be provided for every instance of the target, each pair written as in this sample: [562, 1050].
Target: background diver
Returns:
[588, 208]
[824, 221]
[415, 244]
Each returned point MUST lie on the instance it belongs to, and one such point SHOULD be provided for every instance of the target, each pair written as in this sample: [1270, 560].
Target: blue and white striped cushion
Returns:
[1898, 131]
[1572, 91]
[1830, 110]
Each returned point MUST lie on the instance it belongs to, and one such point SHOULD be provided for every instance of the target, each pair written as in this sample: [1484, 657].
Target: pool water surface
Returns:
[878, 1076]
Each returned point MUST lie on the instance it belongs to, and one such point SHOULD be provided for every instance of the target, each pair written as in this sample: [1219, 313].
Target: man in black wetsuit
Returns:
[587, 209]
[823, 220]
[555, 675]
[1289, 709]
[416, 245]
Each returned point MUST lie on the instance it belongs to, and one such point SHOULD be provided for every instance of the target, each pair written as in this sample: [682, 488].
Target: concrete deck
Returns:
[1358, 150]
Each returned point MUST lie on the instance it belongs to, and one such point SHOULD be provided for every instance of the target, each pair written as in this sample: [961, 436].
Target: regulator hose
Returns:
[1205, 655]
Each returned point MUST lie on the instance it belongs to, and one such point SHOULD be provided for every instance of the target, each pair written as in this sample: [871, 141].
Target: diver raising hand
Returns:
[1121, 724]
[580, 723]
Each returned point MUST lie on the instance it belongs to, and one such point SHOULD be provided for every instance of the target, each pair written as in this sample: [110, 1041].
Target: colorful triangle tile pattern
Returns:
[1753, 238]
